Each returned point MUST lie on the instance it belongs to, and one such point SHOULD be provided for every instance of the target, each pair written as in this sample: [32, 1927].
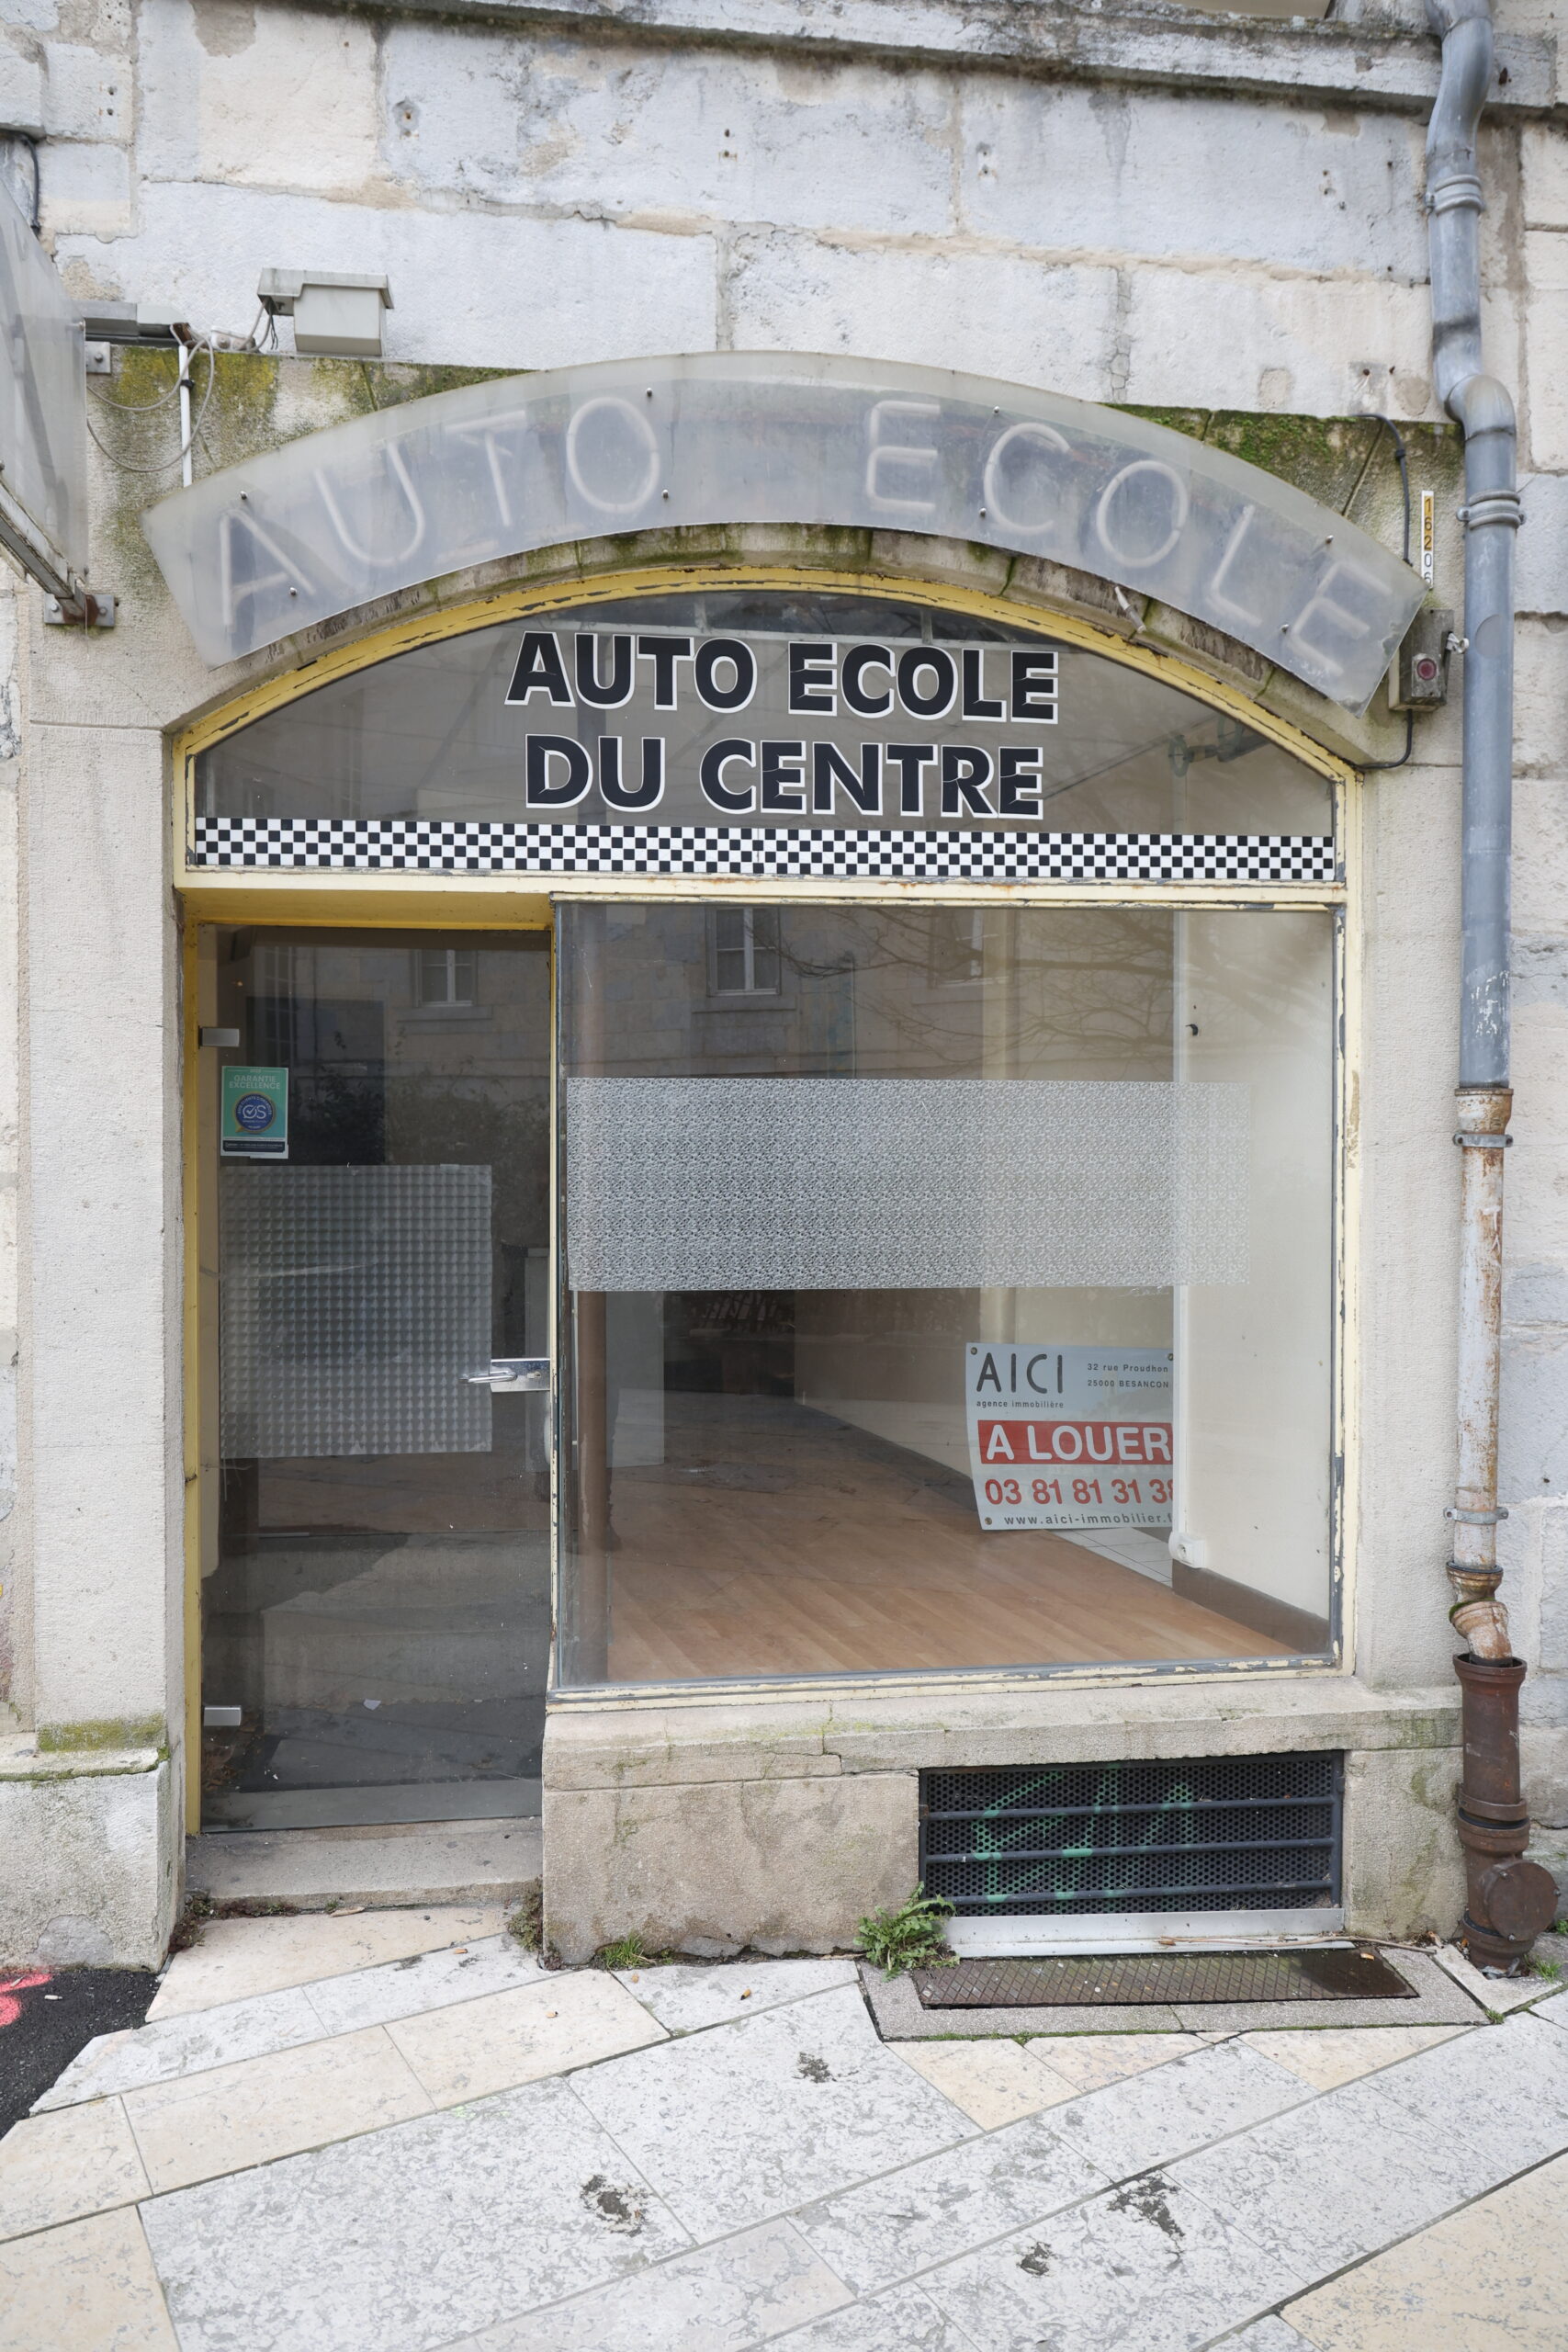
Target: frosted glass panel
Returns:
[829, 1183]
[355, 1301]
[43, 392]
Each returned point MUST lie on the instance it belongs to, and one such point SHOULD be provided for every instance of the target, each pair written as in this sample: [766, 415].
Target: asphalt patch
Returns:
[46, 2016]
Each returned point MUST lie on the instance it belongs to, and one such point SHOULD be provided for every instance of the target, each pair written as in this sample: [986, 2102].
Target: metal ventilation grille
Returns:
[1247, 1833]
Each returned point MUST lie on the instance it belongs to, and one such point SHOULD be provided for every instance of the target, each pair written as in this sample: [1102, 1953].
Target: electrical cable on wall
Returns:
[206, 343]
[1403, 461]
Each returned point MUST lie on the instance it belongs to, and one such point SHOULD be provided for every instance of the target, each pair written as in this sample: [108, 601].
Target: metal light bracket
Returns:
[96, 608]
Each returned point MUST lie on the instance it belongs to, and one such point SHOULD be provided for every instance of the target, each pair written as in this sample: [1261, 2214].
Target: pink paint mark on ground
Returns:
[10, 2010]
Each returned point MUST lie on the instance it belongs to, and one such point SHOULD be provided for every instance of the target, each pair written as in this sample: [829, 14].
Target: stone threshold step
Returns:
[385, 1868]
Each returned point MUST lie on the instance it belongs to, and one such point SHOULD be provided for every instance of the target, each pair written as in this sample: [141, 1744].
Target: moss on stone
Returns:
[397, 381]
[1324, 456]
[1193, 422]
[364, 386]
[241, 417]
[102, 1731]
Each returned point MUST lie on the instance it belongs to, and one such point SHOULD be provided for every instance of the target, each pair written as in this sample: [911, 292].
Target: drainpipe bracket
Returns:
[1484, 1143]
[1474, 1518]
[1498, 506]
[1451, 195]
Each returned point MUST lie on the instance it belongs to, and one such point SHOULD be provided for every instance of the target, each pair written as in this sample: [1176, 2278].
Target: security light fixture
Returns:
[335, 313]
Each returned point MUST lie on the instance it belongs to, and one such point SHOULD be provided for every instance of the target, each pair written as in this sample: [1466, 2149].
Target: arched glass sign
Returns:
[734, 733]
[262, 551]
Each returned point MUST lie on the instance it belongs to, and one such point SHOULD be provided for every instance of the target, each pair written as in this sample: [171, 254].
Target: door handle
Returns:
[509, 1375]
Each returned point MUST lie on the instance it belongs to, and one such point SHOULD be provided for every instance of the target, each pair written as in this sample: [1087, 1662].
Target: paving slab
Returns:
[1343, 2054]
[454, 1861]
[424, 1980]
[186, 2045]
[887, 2230]
[1335, 2179]
[1266, 2335]
[747, 2290]
[1146, 2265]
[1502, 2094]
[1491, 2279]
[1439, 2000]
[56, 2169]
[994, 2082]
[267, 2108]
[771, 2112]
[1499, 1996]
[173, 2049]
[88, 2285]
[1157, 2116]
[1093, 2062]
[413, 2237]
[686, 1999]
[237, 1957]
[477, 2047]
[903, 2320]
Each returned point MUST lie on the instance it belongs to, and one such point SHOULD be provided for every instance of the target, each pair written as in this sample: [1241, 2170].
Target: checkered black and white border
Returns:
[780, 852]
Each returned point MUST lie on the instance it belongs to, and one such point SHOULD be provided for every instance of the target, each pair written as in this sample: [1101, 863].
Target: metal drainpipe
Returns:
[1509, 1900]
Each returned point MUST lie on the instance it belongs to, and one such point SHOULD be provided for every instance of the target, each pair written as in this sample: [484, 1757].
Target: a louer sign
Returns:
[262, 550]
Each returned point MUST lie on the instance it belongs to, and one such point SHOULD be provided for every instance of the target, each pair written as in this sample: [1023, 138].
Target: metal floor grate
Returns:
[1128, 1980]
[1243, 1833]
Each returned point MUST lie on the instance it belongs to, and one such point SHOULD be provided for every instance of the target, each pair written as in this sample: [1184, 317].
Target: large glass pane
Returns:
[945, 1286]
[786, 711]
[376, 1606]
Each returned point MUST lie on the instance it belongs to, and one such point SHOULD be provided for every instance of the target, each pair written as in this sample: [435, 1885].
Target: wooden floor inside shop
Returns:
[774, 1540]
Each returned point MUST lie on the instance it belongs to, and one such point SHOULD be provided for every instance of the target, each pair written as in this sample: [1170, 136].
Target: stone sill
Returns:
[21, 1760]
[1158, 46]
[793, 1738]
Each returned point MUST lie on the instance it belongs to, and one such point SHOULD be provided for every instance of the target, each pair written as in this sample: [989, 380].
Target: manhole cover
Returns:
[1124, 1979]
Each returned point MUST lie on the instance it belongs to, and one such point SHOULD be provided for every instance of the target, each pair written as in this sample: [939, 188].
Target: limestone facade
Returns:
[1197, 214]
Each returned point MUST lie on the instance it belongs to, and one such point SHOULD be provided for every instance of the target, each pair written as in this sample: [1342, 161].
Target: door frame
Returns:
[273, 909]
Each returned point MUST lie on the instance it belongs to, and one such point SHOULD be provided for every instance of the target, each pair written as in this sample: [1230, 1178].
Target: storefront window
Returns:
[784, 712]
[958, 1297]
[943, 1274]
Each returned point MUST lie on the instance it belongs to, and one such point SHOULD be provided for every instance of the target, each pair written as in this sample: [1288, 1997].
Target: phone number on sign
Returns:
[1083, 1491]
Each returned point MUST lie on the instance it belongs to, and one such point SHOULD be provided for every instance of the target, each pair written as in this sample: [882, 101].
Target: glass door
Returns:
[374, 1228]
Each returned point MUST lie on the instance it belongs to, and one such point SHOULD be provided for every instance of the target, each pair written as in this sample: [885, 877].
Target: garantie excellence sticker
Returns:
[255, 1123]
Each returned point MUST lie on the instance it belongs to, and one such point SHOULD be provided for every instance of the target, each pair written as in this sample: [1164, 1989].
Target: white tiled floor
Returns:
[438, 2146]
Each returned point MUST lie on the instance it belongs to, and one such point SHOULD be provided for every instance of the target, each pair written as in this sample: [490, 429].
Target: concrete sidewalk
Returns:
[397, 2131]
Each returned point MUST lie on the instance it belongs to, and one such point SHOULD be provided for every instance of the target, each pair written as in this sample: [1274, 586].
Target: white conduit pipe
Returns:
[1509, 1900]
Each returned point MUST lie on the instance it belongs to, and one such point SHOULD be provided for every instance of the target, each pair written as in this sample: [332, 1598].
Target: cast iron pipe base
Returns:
[1509, 1900]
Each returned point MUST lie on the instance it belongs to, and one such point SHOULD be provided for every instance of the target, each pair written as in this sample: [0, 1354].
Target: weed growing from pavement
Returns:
[907, 1935]
[626, 1953]
[527, 1922]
